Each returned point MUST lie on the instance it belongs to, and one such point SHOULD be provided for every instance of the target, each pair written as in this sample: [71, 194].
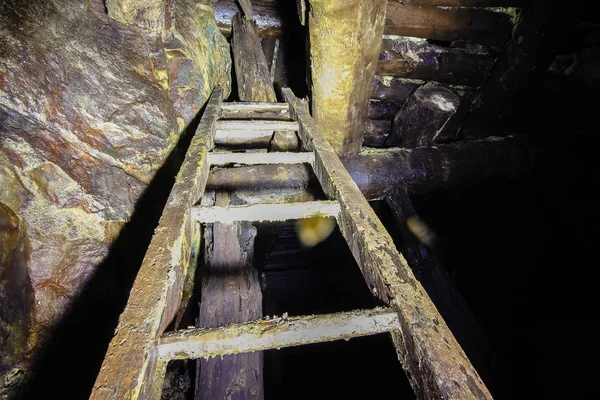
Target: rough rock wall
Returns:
[89, 111]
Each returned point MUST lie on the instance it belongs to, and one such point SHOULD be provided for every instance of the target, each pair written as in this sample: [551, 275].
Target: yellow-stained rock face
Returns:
[345, 40]
[89, 111]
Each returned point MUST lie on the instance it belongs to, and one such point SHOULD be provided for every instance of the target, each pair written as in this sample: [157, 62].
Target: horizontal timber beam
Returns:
[275, 333]
[265, 212]
[376, 171]
[475, 25]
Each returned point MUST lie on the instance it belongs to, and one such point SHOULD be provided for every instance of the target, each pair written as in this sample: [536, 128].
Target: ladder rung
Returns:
[248, 106]
[265, 212]
[235, 137]
[257, 125]
[261, 158]
[275, 333]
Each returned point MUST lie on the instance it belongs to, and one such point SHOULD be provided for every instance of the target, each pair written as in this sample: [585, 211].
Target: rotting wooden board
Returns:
[275, 333]
[131, 369]
[437, 366]
[265, 212]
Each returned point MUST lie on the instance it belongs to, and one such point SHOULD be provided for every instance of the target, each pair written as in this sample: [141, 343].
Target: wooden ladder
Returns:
[135, 363]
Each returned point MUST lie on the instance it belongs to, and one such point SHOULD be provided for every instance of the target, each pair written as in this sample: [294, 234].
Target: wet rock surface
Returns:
[90, 109]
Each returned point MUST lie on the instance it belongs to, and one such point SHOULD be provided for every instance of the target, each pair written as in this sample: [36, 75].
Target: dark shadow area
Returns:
[522, 251]
[293, 41]
[317, 280]
[71, 357]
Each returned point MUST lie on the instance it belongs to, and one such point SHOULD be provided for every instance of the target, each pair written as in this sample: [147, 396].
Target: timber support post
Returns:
[345, 40]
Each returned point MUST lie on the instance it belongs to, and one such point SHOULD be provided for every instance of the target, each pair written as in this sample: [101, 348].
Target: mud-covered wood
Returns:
[424, 21]
[230, 294]
[253, 76]
[343, 66]
[275, 333]
[423, 117]
[130, 369]
[375, 171]
[473, 25]
[437, 366]
[423, 258]
[417, 59]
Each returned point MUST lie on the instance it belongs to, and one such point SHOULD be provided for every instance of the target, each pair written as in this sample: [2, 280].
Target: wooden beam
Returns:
[265, 212]
[436, 364]
[423, 117]
[130, 369]
[275, 333]
[343, 66]
[254, 79]
[442, 23]
[230, 293]
[393, 90]
[375, 171]
[474, 25]
[417, 59]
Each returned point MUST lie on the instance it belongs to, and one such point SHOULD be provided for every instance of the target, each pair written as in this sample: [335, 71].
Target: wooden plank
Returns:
[130, 369]
[445, 23]
[261, 158]
[230, 293]
[256, 126]
[265, 212]
[417, 59]
[275, 333]
[343, 66]
[266, 15]
[436, 364]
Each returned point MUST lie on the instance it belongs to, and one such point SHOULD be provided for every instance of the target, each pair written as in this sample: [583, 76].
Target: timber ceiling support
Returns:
[345, 41]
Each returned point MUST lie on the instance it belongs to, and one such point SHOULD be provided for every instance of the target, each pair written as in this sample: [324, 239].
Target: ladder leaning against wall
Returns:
[135, 363]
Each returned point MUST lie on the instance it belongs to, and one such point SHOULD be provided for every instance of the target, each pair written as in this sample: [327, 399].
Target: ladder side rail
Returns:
[436, 364]
[131, 368]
